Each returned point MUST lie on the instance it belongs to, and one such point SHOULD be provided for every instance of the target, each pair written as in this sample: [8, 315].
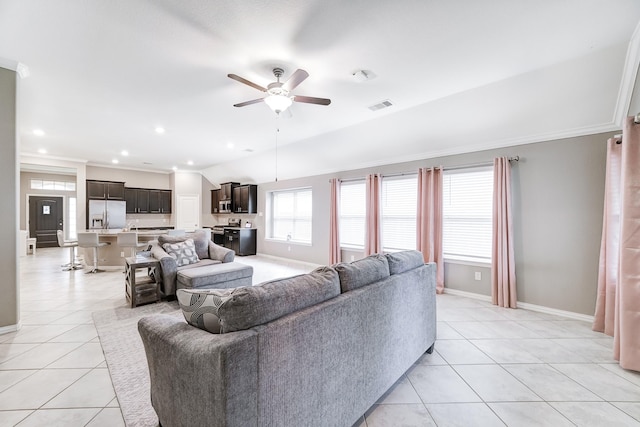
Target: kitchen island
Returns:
[112, 255]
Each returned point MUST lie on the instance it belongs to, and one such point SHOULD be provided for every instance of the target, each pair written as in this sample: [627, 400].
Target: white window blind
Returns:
[467, 211]
[291, 215]
[352, 213]
[399, 203]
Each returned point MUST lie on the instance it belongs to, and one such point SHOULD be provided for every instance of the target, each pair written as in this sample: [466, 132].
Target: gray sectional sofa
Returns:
[317, 349]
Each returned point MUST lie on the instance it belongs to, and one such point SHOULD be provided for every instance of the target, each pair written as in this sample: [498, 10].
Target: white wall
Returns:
[9, 188]
[558, 189]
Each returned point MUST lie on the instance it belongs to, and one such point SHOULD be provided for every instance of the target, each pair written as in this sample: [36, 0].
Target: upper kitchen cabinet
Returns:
[226, 190]
[215, 199]
[245, 198]
[160, 201]
[137, 200]
[105, 190]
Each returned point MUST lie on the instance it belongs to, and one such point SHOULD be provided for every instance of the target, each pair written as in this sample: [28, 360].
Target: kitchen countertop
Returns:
[141, 232]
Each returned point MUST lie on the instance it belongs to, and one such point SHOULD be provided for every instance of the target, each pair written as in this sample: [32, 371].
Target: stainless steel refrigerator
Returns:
[105, 214]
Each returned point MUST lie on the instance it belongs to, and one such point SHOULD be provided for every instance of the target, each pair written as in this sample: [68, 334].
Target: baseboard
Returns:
[524, 305]
[10, 328]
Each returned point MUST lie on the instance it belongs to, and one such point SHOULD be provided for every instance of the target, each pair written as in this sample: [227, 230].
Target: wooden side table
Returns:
[141, 289]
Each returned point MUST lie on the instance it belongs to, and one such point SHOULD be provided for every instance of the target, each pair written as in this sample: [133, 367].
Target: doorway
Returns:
[45, 219]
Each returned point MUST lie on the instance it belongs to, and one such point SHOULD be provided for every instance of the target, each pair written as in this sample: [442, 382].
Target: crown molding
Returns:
[628, 80]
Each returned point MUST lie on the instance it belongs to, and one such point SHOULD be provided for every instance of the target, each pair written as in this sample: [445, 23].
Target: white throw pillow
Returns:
[200, 307]
[183, 252]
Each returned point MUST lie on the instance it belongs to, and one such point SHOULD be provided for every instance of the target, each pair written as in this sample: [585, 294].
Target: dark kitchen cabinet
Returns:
[245, 199]
[145, 200]
[137, 200]
[226, 190]
[240, 240]
[105, 190]
[215, 201]
[160, 201]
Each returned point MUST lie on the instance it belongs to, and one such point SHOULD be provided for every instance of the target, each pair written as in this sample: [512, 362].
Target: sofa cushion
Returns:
[250, 306]
[200, 309]
[213, 275]
[362, 272]
[399, 262]
[200, 238]
[183, 252]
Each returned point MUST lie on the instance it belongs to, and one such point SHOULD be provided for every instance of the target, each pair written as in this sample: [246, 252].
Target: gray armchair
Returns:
[208, 253]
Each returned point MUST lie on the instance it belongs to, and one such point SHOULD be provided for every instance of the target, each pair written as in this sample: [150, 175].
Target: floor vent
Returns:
[379, 106]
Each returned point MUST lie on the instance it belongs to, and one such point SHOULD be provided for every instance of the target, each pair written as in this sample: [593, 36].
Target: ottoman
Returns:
[215, 276]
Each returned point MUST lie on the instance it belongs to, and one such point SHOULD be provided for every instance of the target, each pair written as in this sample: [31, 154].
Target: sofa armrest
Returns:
[221, 253]
[168, 269]
[220, 369]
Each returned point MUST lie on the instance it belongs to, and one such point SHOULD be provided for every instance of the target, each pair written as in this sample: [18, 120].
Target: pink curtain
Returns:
[503, 268]
[373, 234]
[624, 284]
[429, 227]
[609, 246]
[334, 225]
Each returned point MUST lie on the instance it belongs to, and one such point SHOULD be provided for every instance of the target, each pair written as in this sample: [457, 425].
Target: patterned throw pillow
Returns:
[183, 252]
[200, 308]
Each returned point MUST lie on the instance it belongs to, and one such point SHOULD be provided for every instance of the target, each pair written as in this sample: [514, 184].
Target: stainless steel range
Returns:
[218, 230]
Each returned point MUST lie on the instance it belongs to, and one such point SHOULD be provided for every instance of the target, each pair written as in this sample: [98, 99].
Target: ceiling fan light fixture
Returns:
[278, 103]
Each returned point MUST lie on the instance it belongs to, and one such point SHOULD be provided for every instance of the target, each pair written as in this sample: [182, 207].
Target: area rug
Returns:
[126, 360]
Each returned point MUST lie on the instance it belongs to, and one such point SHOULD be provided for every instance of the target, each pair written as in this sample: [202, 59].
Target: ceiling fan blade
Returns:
[253, 101]
[296, 78]
[247, 82]
[312, 100]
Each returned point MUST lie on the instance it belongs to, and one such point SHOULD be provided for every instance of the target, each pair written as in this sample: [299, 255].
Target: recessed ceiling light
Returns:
[160, 130]
[124, 153]
[115, 161]
[175, 168]
[42, 151]
[190, 162]
[38, 132]
[230, 145]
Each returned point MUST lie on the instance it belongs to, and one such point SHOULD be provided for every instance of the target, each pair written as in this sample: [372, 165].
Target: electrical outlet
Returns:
[259, 213]
[478, 275]
[353, 257]
[137, 219]
[289, 248]
[121, 254]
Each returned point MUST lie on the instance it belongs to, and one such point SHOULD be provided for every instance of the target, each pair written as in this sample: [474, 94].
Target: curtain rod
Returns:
[477, 165]
[511, 159]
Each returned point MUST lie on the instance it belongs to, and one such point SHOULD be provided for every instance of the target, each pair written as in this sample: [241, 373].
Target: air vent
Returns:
[379, 106]
[248, 150]
[147, 163]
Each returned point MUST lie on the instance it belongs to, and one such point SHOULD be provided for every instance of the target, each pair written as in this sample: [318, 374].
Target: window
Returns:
[399, 202]
[39, 184]
[290, 212]
[352, 213]
[467, 212]
[71, 221]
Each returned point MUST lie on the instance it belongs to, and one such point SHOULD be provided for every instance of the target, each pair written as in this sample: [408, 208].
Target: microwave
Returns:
[224, 206]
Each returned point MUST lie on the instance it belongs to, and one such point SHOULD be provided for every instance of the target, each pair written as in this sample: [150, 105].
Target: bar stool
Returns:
[129, 239]
[90, 240]
[71, 244]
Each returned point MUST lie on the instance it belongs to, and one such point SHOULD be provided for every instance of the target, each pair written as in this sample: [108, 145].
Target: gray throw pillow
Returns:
[362, 272]
[399, 262]
[183, 252]
[245, 307]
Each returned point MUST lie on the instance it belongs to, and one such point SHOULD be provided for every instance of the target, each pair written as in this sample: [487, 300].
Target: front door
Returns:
[45, 219]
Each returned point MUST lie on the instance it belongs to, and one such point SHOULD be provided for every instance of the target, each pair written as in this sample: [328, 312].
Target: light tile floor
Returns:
[491, 367]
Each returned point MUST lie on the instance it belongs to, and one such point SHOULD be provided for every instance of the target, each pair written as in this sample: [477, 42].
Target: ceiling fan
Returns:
[278, 94]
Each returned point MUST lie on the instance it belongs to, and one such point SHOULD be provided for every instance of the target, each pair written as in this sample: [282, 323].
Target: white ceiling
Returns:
[463, 75]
